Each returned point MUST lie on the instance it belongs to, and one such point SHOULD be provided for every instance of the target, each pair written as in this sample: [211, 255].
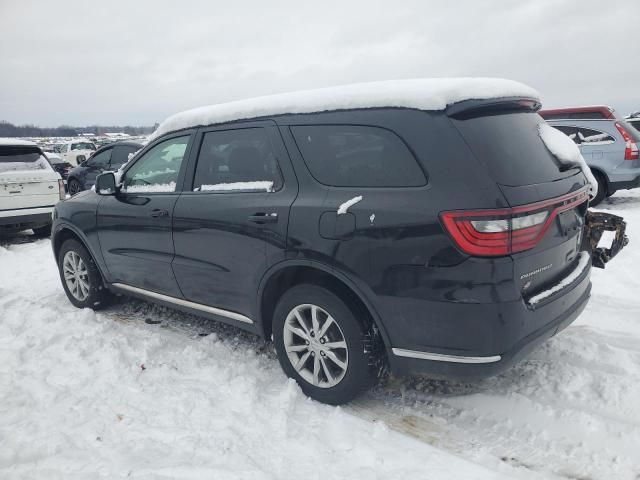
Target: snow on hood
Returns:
[566, 151]
[421, 94]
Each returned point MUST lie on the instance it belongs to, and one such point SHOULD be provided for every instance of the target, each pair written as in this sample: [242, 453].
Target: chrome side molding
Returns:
[441, 357]
[184, 303]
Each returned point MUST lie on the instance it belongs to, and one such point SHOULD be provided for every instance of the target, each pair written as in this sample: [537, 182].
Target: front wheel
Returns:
[80, 277]
[322, 345]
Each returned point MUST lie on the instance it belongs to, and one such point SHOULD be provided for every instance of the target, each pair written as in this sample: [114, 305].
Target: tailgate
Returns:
[27, 190]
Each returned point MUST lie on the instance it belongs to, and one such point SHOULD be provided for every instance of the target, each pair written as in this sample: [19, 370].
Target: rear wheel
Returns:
[611, 192]
[74, 186]
[80, 277]
[602, 189]
[322, 345]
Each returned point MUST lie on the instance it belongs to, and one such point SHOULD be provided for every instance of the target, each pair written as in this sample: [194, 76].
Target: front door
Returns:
[134, 226]
[232, 220]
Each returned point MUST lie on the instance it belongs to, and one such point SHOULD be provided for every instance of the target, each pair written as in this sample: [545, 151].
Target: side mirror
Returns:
[106, 184]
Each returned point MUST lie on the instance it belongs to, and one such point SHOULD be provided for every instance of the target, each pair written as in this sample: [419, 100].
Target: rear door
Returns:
[510, 146]
[26, 179]
[231, 221]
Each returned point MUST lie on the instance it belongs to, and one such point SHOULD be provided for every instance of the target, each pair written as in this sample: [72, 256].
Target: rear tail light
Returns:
[493, 233]
[630, 147]
[61, 191]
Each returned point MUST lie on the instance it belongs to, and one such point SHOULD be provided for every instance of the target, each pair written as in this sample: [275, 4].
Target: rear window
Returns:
[20, 158]
[83, 146]
[511, 148]
[357, 156]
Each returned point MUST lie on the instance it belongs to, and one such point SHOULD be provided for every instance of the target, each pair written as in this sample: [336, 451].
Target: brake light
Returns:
[499, 232]
[631, 147]
[61, 191]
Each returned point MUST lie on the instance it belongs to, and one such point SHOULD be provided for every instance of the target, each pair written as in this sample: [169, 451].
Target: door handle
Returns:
[262, 218]
[158, 212]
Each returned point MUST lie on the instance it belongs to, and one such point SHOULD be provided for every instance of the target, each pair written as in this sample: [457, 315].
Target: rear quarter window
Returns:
[357, 156]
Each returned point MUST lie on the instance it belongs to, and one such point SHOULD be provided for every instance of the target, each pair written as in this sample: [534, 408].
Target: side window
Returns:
[571, 132]
[588, 136]
[101, 160]
[232, 160]
[157, 170]
[120, 155]
[64, 148]
[357, 156]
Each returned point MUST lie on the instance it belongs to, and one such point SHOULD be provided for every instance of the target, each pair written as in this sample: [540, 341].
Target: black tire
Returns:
[610, 193]
[98, 296]
[42, 231]
[363, 362]
[602, 189]
[74, 187]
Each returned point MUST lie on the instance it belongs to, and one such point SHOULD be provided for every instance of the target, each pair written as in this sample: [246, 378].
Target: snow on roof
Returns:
[421, 94]
[16, 142]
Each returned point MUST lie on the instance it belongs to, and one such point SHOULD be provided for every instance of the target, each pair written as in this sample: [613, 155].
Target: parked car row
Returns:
[608, 143]
[427, 226]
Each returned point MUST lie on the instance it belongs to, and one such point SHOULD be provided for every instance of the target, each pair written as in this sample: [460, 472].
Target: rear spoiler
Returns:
[478, 108]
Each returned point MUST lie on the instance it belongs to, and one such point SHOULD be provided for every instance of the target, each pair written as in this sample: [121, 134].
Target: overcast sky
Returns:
[136, 62]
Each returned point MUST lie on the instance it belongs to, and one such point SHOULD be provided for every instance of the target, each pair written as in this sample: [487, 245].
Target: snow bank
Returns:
[563, 148]
[266, 186]
[86, 395]
[421, 94]
[342, 209]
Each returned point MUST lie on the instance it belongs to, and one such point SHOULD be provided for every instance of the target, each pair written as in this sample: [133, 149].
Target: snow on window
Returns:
[421, 94]
[583, 261]
[342, 209]
[266, 186]
[159, 187]
[567, 153]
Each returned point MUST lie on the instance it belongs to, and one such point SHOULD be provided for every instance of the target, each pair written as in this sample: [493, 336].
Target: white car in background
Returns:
[77, 151]
[29, 187]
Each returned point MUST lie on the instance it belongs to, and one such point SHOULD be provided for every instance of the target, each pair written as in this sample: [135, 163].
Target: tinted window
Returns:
[635, 124]
[101, 160]
[236, 160]
[511, 148]
[357, 156]
[571, 132]
[157, 170]
[588, 136]
[120, 155]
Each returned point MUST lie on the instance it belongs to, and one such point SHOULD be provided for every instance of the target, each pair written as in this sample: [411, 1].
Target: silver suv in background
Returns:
[610, 148]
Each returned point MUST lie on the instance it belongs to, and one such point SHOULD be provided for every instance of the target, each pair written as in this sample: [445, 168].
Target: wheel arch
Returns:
[65, 232]
[286, 274]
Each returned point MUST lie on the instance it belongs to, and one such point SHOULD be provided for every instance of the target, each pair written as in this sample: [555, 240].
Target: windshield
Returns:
[20, 158]
[83, 146]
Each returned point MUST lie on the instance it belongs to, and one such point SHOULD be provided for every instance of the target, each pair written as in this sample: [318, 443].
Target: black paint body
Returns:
[390, 250]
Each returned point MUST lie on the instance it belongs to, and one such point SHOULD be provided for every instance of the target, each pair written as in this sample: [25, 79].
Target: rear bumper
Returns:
[502, 335]
[625, 184]
[26, 217]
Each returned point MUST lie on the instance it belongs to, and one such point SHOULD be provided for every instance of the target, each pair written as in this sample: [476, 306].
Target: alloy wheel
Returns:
[315, 345]
[76, 275]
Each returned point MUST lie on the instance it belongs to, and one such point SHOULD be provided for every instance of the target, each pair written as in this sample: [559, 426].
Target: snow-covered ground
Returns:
[86, 395]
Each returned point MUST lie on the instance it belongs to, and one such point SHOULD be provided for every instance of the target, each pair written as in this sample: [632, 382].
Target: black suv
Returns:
[108, 157]
[446, 242]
